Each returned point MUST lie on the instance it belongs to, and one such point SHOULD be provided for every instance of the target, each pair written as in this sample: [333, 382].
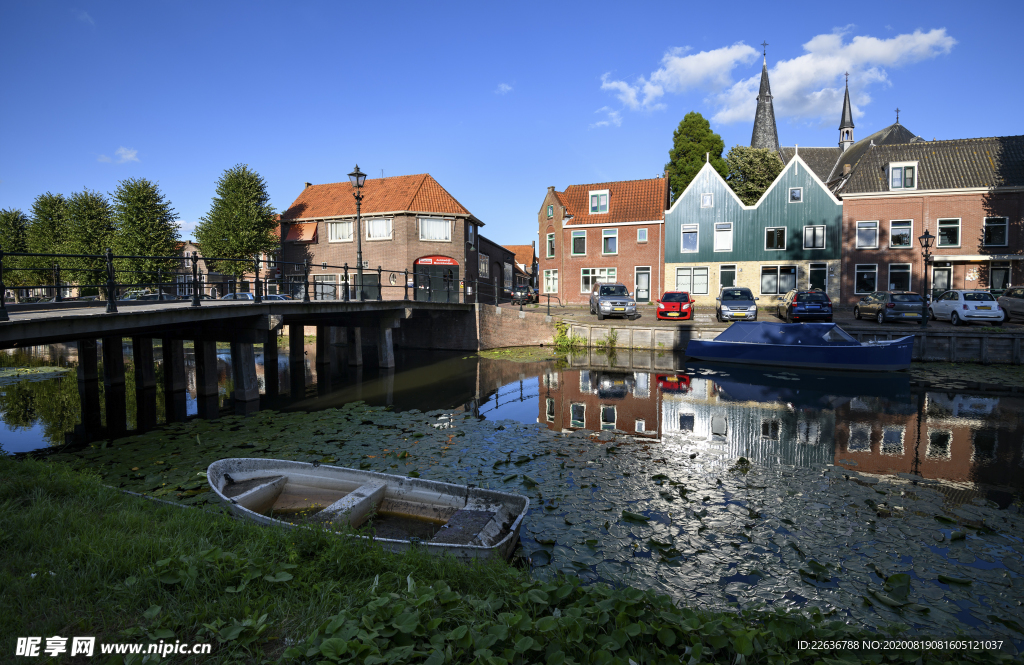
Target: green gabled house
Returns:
[789, 239]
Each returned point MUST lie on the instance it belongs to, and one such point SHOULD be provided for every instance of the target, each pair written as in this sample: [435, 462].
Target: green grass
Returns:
[80, 559]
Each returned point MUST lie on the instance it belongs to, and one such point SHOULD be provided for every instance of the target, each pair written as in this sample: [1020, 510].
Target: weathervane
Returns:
[764, 49]
[897, 115]
[847, 78]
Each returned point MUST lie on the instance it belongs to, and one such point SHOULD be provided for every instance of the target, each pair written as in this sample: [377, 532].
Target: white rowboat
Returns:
[399, 512]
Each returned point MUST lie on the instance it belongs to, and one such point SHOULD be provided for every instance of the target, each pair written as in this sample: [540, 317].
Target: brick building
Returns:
[604, 232]
[600, 399]
[408, 223]
[525, 270]
[968, 193]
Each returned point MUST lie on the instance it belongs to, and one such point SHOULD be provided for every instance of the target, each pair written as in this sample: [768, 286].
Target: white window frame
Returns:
[551, 210]
[602, 422]
[824, 238]
[902, 429]
[435, 219]
[719, 233]
[572, 421]
[785, 239]
[959, 231]
[549, 409]
[857, 233]
[609, 233]
[597, 278]
[693, 270]
[1006, 231]
[590, 201]
[778, 278]
[910, 245]
[550, 280]
[909, 270]
[550, 247]
[641, 235]
[800, 197]
[723, 267]
[902, 166]
[580, 233]
[333, 225]
[707, 200]
[483, 263]
[391, 228]
[857, 268]
[689, 228]
[949, 449]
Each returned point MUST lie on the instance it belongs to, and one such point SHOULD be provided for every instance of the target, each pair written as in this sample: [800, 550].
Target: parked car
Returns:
[237, 296]
[612, 300]
[523, 295]
[736, 304]
[813, 305]
[674, 383]
[1012, 302]
[277, 296]
[883, 306]
[965, 305]
[158, 296]
[675, 305]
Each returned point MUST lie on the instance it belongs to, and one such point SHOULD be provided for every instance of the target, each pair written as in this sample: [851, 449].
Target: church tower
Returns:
[846, 122]
[765, 135]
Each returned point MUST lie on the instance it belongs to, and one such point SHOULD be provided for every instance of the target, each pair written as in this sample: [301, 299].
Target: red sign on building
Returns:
[436, 261]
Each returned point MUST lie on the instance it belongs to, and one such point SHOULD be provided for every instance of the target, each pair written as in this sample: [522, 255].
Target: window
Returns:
[939, 445]
[324, 287]
[985, 443]
[692, 280]
[550, 281]
[860, 438]
[796, 194]
[549, 409]
[607, 417]
[579, 243]
[470, 232]
[641, 235]
[585, 384]
[770, 429]
[999, 276]
[483, 261]
[436, 230]
[339, 231]
[903, 176]
[865, 278]
[901, 233]
[551, 211]
[723, 237]
[949, 233]
[727, 276]
[899, 276]
[688, 241]
[817, 276]
[892, 440]
[814, 237]
[640, 426]
[599, 202]
[508, 275]
[995, 231]
[378, 229]
[867, 235]
[577, 415]
[707, 200]
[686, 422]
[777, 280]
[591, 276]
[551, 245]
[775, 238]
[610, 241]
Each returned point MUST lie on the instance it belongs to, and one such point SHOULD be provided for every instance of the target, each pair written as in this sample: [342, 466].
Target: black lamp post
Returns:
[357, 178]
[926, 243]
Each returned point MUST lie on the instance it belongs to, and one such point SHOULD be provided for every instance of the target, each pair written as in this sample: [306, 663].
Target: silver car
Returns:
[736, 304]
[612, 300]
[965, 305]
[1012, 302]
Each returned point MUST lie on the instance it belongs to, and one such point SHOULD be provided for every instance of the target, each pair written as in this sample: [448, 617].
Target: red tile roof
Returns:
[628, 201]
[524, 255]
[418, 193]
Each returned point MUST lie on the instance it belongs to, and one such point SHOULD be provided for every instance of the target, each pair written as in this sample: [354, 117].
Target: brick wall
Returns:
[486, 327]
[502, 327]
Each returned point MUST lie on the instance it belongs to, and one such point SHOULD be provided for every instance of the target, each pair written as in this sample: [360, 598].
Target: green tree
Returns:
[145, 224]
[752, 171]
[241, 221]
[14, 238]
[692, 140]
[47, 233]
[90, 228]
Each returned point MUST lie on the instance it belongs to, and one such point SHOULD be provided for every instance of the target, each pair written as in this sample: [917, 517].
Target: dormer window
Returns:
[598, 201]
[903, 176]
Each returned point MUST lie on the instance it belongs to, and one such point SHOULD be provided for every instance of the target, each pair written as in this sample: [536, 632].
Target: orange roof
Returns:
[417, 193]
[301, 233]
[628, 201]
[524, 254]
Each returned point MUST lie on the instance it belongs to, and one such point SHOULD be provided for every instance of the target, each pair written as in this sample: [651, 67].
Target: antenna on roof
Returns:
[707, 157]
[796, 149]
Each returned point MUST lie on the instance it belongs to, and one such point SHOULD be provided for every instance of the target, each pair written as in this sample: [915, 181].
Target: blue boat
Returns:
[815, 345]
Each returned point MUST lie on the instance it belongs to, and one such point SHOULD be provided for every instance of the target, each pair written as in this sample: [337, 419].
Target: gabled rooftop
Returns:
[628, 201]
[407, 193]
[524, 255]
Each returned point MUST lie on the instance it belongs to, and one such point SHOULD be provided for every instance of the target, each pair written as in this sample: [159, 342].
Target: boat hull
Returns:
[411, 491]
[889, 356]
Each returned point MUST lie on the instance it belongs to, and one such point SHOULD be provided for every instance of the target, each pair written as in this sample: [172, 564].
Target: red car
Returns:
[675, 305]
[674, 383]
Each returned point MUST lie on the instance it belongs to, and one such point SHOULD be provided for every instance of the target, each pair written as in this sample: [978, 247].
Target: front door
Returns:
[643, 285]
[942, 278]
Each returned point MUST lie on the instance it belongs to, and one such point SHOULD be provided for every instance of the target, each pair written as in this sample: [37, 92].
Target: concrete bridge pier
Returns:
[385, 347]
[207, 401]
[145, 383]
[339, 344]
[324, 356]
[388, 375]
[271, 378]
[297, 359]
[355, 346]
[113, 386]
[175, 379]
[243, 369]
[89, 385]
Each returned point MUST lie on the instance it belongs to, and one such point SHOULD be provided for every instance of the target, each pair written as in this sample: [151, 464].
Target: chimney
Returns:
[308, 184]
[551, 188]
[846, 169]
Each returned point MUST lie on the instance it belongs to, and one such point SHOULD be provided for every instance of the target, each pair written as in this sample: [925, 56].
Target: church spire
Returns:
[765, 135]
[846, 122]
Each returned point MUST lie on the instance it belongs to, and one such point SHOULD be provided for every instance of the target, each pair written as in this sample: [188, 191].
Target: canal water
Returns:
[876, 499]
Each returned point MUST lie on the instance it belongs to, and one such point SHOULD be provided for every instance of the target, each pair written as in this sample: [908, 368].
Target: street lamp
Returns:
[357, 178]
[926, 243]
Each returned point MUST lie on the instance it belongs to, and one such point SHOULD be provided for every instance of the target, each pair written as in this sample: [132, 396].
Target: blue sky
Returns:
[496, 101]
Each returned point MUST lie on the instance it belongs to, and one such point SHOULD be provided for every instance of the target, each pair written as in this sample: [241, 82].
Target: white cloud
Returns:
[102, 158]
[612, 118]
[126, 155]
[84, 17]
[503, 89]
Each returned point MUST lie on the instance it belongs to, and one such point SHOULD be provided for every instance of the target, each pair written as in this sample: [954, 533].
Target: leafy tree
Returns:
[692, 140]
[46, 234]
[90, 228]
[145, 224]
[240, 223]
[752, 171]
[14, 238]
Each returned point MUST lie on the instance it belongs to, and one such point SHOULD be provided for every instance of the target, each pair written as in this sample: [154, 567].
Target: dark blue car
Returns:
[799, 306]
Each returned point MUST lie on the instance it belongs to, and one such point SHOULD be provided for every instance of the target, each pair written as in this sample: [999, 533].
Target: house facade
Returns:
[407, 223]
[789, 239]
[602, 232]
[525, 264]
[968, 193]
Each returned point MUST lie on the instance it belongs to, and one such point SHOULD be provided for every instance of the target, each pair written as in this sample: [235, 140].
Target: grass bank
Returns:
[79, 559]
